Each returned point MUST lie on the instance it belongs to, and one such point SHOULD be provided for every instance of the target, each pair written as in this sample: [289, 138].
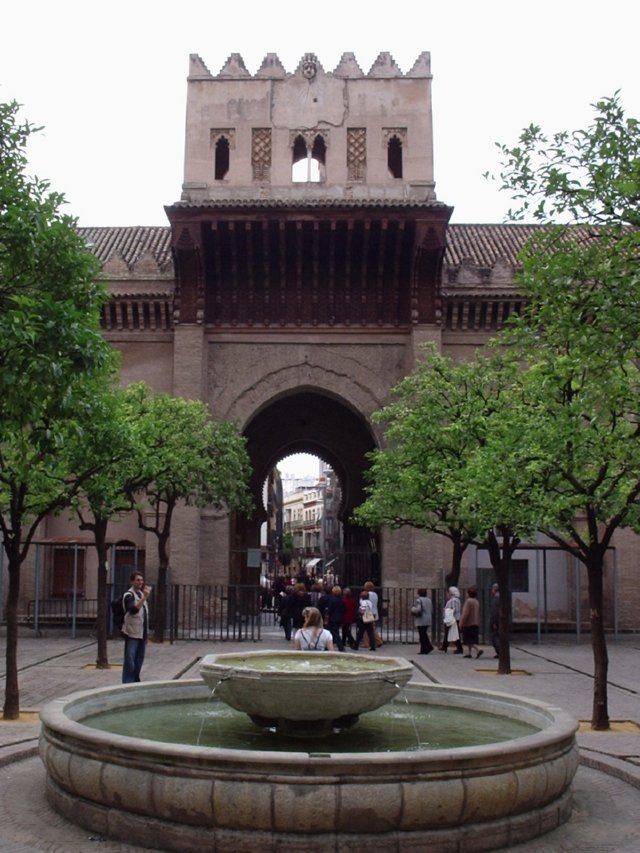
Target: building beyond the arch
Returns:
[293, 305]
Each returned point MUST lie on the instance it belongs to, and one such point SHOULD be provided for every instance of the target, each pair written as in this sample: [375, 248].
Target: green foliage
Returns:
[580, 333]
[571, 431]
[438, 422]
[50, 341]
[51, 354]
[184, 455]
[586, 175]
[104, 457]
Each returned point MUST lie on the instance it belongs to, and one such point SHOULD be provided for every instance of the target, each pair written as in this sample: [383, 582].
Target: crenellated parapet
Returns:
[309, 66]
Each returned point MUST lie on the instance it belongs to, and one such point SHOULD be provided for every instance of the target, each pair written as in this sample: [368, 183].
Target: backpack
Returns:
[117, 612]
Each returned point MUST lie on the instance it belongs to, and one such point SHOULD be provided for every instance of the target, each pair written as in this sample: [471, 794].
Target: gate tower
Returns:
[308, 245]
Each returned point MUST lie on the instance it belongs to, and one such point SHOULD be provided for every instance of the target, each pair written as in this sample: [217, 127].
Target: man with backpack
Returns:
[135, 627]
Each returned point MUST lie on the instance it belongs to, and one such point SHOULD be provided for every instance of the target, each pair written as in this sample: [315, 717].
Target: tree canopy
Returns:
[184, 456]
[51, 350]
[437, 420]
[561, 452]
[577, 413]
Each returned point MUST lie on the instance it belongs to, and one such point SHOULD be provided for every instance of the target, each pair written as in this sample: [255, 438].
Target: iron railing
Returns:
[220, 612]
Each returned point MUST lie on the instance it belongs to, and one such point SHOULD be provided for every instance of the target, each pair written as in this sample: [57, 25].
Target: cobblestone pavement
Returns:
[606, 813]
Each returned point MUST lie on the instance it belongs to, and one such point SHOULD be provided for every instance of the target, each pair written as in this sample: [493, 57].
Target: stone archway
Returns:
[307, 421]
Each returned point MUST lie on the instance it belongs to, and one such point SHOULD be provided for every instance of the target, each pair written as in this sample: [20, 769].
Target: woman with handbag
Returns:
[366, 622]
[451, 620]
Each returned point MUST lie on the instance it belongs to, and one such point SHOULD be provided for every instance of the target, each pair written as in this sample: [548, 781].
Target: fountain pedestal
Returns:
[304, 693]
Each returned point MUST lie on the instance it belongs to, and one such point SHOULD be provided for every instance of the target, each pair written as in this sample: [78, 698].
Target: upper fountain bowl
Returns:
[304, 693]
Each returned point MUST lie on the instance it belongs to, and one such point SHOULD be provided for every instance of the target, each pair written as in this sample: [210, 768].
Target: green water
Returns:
[392, 728]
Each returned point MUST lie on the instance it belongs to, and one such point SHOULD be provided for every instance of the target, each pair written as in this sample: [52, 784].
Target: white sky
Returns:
[108, 81]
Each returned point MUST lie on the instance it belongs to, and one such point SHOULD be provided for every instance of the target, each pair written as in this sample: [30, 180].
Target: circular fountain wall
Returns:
[189, 798]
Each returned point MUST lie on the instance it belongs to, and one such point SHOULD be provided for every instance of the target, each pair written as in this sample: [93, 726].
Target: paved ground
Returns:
[606, 815]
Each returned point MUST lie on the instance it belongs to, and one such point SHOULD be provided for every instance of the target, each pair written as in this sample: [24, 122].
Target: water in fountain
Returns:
[397, 726]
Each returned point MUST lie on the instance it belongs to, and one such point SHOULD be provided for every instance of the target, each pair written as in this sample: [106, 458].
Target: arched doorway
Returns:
[307, 421]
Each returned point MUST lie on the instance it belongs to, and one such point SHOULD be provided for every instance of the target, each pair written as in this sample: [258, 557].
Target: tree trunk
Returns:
[11, 710]
[100, 534]
[161, 589]
[504, 654]
[452, 578]
[500, 556]
[600, 712]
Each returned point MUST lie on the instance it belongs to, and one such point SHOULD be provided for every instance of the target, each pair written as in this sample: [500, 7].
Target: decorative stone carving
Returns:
[261, 153]
[309, 137]
[356, 154]
[389, 132]
[227, 133]
[309, 68]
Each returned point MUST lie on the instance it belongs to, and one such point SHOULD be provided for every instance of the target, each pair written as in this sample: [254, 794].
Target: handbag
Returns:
[448, 618]
[367, 616]
[417, 608]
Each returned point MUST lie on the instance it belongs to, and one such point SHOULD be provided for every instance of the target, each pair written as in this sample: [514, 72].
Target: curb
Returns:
[12, 753]
[617, 767]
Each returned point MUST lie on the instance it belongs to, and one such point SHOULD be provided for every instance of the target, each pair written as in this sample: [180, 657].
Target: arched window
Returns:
[394, 156]
[222, 158]
[308, 164]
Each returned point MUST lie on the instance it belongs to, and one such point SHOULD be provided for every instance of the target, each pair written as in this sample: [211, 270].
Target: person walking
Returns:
[335, 616]
[422, 611]
[373, 599]
[349, 617]
[135, 627]
[299, 601]
[470, 622]
[285, 608]
[452, 621]
[366, 622]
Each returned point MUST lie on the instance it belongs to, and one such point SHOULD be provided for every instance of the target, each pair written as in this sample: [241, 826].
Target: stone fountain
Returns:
[304, 694]
[184, 797]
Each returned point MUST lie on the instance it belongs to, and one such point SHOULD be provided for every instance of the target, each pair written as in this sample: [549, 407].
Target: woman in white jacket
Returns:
[452, 630]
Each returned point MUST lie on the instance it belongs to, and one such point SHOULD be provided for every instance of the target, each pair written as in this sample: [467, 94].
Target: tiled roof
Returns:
[306, 203]
[478, 245]
[131, 243]
[483, 245]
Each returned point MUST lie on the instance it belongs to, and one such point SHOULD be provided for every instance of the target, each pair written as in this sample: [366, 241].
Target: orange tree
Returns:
[184, 456]
[573, 428]
[51, 351]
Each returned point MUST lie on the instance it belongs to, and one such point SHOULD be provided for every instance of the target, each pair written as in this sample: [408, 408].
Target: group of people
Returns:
[322, 619]
[334, 610]
[461, 622]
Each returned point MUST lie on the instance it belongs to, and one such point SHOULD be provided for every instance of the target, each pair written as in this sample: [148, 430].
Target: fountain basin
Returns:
[189, 798]
[303, 694]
